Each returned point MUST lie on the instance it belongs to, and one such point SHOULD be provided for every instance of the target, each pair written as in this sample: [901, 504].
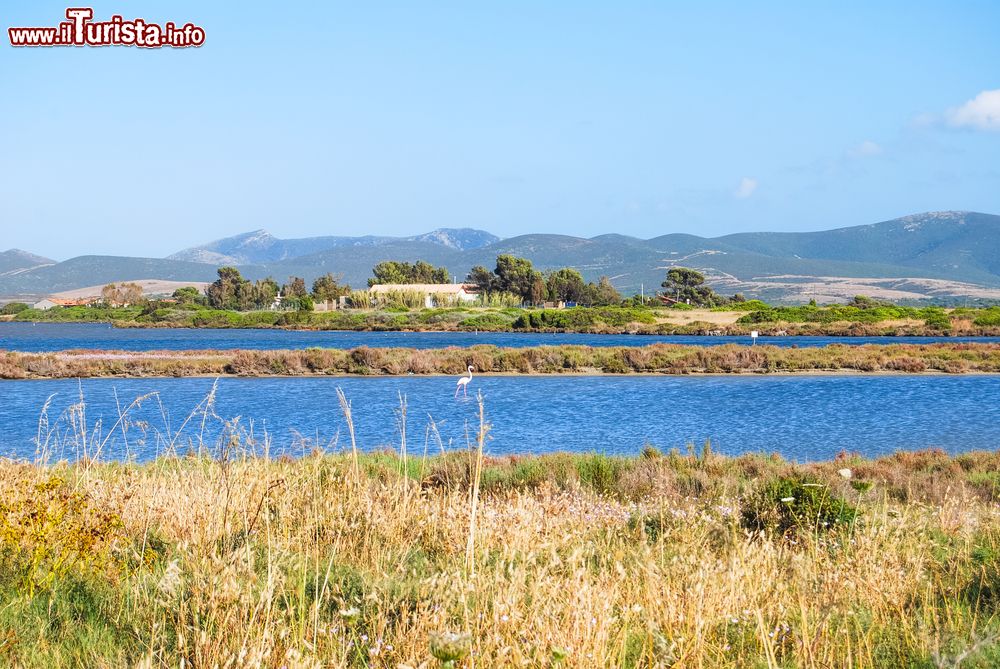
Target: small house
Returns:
[50, 302]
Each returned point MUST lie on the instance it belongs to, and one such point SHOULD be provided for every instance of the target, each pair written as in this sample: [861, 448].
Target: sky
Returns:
[580, 118]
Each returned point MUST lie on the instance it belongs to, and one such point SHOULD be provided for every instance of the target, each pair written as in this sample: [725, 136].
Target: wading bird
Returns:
[463, 383]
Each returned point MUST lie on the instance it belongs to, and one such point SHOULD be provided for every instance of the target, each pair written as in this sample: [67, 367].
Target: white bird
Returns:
[463, 383]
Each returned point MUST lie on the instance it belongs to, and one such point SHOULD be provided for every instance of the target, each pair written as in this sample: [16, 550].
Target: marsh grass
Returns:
[948, 358]
[222, 556]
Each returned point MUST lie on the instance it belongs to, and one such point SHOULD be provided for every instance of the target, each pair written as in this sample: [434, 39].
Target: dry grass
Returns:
[253, 563]
[706, 316]
[652, 359]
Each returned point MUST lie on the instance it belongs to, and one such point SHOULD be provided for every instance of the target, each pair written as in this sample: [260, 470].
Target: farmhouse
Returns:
[50, 302]
[461, 292]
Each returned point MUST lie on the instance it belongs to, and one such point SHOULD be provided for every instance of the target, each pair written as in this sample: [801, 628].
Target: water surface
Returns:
[800, 417]
[63, 336]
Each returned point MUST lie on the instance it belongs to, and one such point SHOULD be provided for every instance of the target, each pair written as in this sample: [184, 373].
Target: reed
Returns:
[957, 358]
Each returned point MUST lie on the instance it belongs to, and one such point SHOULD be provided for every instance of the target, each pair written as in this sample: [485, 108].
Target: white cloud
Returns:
[746, 188]
[866, 149]
[980, 113]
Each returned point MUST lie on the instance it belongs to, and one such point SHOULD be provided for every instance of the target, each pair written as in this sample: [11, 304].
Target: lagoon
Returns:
[803, 418]
[42, 337]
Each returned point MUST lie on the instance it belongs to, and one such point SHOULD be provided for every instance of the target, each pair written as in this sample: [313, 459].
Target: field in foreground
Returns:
[683, 560]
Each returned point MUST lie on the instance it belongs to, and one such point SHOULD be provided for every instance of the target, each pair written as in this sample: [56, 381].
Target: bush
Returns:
[599, 472]
[578, 318]
[491, 322]
[983, 589]
[937, 319]
[831, 314]
[988, 317]
[12, 308]
[793, 504]
[749, 305]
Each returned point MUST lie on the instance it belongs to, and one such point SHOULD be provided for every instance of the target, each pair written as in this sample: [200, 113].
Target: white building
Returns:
[50, 302]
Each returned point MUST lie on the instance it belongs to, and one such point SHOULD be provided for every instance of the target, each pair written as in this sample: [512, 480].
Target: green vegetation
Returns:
[989, 317]
[864, 310]
[796, 503]
[518, 276]
[500, 312]
[386, 559]
[12, 308]
[233, 301]
[581, 318]
[393, 271]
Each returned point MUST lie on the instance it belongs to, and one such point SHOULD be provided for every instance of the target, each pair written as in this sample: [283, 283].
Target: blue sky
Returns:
[580, 118]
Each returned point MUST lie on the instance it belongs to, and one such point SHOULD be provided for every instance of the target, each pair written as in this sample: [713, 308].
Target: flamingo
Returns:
[463, 383]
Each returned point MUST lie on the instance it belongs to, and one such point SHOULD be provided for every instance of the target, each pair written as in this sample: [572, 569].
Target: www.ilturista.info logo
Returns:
[80, 30]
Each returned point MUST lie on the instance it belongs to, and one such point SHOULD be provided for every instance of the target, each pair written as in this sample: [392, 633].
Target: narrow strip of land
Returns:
[947, 358]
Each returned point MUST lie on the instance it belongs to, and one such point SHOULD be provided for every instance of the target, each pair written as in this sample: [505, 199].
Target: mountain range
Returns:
[937, 255]
[260, 246]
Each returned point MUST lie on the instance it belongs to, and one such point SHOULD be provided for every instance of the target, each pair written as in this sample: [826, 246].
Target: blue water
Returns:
[62, 336]
[801, 417]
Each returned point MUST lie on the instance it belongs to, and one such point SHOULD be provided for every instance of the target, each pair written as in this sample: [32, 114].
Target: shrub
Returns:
[578, 318]
[795, 503]
[988, 317]
[490, 322]
[937, 319]
[12, 308]
[983, 588]
[749, 305]
[599, 472]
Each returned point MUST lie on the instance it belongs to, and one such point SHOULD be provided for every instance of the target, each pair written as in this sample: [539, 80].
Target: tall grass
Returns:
[229, 558]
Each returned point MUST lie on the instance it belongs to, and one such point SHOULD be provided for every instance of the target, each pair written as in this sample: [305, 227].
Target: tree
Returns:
[516, 275]
[327, 288]
[865, 302]
[296, 287]
[187, 295]
[566, 284]
[423, 272]
[13, 308]
[687, 285]
[397, 272]
[264, 293]
[221, 293]
[483, 279]
[122, 294]
[603, 294]
[538, 289]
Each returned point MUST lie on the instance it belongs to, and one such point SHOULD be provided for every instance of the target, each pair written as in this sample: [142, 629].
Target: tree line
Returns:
[511, 275]
[234, 292]
[518, 276]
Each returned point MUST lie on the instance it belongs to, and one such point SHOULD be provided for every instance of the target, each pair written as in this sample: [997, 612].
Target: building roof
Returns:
[433, 288]
[64, 302]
